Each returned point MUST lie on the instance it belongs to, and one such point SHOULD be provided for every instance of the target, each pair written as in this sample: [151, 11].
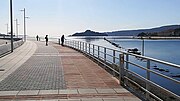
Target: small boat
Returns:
[134, 51]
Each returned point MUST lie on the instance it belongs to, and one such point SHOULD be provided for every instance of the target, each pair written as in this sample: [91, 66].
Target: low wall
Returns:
[5, 48]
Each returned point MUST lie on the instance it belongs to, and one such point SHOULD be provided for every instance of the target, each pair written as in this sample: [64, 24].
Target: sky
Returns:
[58, 17]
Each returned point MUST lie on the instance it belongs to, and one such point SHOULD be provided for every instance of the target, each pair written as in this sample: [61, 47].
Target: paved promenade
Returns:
[38, 72]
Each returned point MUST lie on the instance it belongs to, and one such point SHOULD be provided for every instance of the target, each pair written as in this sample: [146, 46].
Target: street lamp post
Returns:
[24, 10]
[11, 18]
[16, 27]
[7, 26]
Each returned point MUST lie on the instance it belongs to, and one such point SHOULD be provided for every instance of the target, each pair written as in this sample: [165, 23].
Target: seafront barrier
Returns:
[6, 48]
[121, 64]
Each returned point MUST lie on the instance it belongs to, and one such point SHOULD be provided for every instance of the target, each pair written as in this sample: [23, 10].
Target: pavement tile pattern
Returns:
[81, 72]
[56, 73]
[41, 72]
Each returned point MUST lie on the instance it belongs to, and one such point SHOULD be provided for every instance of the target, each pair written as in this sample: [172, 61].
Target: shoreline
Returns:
[124, 37]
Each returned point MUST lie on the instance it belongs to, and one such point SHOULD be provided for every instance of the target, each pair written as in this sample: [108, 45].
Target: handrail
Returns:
[101, 53]
[140, 56]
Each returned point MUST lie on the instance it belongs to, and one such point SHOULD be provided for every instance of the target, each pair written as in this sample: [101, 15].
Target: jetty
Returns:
[78, 71]
[38, 72]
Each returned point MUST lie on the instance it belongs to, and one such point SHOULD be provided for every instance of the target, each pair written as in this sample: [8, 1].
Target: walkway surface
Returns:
[38, 72]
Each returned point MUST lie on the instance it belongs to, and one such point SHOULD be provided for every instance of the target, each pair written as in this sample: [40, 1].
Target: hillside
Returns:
[89, 33]
[171, 30]
[136, 32]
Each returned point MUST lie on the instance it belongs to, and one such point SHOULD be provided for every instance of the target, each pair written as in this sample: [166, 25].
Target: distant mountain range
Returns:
[158, 31]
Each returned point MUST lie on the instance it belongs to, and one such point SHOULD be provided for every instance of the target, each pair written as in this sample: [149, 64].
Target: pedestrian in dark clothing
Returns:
[46, 38]
[37, 37]
[62, 40]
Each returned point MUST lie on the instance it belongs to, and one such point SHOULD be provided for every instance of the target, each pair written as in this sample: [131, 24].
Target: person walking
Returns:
[46, 38]
[62, 40]
[37, 37]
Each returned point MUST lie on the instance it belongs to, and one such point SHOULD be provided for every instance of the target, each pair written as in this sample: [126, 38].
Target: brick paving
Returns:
[56, 73]
[38, 73]
[81, 72]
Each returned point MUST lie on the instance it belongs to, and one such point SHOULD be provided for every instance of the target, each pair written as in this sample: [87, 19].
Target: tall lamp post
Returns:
[16, 27]
[24, 10]
[7, 26]
[11, 18]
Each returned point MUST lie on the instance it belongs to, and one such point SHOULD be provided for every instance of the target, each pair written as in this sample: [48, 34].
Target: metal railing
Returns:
[6, 48]
[120, 62]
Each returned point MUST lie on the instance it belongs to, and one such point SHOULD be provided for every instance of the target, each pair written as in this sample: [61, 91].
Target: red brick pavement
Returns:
[81, 72]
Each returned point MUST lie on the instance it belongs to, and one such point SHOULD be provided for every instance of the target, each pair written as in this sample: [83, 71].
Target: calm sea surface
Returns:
[166, 50]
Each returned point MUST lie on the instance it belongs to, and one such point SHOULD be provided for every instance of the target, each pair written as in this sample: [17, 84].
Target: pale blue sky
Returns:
[57, 17]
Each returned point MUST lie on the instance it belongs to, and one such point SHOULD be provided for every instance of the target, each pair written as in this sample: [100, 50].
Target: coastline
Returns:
[124, 37]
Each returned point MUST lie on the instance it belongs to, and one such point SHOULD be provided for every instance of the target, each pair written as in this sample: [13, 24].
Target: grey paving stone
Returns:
[37, 73]
[74, 99]
[29, 92]
[92, 99]
[105, 90]
[63, 100]
[48, 92]
[87, 91]
[121, 90]
[113, 99]
[68, 91]
[131, 99]
[4, 93]
[26, 100]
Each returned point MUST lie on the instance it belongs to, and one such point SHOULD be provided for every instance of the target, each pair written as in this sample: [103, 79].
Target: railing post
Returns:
[83, 46]
[69, 43]
[98, 52]
[148, 78]
[86, 47]
[89, 48]
[105, 54]
[93, 50]
[114, 60]
[59, 41]
[121, 69]
[77, 45]
[127, 67]
[73, 44]
[80, 46]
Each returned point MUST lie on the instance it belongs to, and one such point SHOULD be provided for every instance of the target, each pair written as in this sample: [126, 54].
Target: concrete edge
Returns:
[66, 91]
